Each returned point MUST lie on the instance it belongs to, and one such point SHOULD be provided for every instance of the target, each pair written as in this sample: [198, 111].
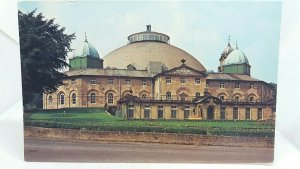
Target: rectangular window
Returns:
[147, 112]
[259, 114]
[223, 113]
[237, 85]
[222, 86]
[110, 81]
[73, 81]
[207, 84]
[130, 112]
[251, 86]
[248, 115]
[173, 112]
[235, 113]
[93, 81]
[168, 80]
[128, 82]
[160, 112]
[182, 80]
[197, 80]
[186, 111]
[144, 82]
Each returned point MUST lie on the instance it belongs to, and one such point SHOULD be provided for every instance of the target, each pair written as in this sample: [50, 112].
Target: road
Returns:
[109, 152]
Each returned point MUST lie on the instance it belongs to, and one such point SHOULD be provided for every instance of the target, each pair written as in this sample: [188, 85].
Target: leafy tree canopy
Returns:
[44, 47]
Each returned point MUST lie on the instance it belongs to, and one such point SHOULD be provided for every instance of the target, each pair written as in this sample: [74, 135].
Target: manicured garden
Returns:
[98, 119]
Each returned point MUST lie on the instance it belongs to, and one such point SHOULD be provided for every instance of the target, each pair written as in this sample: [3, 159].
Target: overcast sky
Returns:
[199, 28]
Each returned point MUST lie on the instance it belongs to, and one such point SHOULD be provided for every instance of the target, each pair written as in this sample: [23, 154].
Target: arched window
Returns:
[73, 98]
[197, 94]
[168, 96]
[110, 98]
[50, 100]
[61, 99]
[222, 98]
[144, 96]
[93, 97]
[237, 98]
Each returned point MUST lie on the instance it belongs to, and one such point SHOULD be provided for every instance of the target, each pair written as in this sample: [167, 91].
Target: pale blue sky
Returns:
[200, 28]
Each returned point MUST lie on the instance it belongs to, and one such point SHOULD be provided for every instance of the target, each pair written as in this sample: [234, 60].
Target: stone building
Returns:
[150, 79]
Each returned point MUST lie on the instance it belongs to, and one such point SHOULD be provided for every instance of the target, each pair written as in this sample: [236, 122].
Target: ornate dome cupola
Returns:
[86, 56]
[228, 49]
[236, 62]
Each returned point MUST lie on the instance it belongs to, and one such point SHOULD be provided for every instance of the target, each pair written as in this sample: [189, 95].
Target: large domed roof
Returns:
[86, 50]
[141, 53]
[236, 57]
[146, 47]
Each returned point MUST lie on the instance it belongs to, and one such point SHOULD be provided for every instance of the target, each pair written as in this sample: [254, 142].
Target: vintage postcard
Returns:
[155, 81]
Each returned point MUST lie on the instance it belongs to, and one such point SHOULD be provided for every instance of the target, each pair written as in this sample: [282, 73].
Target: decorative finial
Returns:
[229, 40]
[236, 45]
[85, 37]
[183, 61]
[148, 27]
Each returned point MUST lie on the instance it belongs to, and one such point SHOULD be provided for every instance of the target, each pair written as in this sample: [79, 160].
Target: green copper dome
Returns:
[86, 50]
[236, 57]
[86, 56]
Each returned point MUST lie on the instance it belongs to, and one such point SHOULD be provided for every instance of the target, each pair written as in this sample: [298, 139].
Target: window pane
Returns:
[147, 112]
[168, 80]
[160, 112]
[110, 98]
[223, 113]
[259, 113]
[248, 113]
[173, 112]
[73, 98]
[93, 81]
[93, 98]
[235, 113]
[197, 80]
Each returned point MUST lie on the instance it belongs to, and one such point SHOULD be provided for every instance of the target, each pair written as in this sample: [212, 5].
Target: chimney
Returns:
[148, 27]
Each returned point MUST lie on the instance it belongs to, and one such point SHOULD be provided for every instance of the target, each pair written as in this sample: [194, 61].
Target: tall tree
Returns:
[44, 47]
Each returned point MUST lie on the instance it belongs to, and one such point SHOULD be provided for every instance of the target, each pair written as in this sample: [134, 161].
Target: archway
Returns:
[210, 112]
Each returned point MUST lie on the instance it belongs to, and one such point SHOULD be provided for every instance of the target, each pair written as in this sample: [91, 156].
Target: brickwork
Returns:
[83, 87]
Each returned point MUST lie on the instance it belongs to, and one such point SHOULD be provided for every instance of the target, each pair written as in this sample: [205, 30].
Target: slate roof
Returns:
[109, 72]
[230, 77]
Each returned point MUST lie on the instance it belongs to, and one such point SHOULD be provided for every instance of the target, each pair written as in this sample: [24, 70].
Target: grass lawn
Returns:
[98, 119]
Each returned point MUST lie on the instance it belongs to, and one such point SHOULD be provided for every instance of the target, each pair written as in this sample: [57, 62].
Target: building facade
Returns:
[155, 80]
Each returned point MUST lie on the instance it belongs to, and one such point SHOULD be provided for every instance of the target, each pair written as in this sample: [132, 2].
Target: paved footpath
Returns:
[112, 152]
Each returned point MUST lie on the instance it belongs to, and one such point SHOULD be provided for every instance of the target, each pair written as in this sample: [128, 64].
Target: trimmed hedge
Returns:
[157, 129]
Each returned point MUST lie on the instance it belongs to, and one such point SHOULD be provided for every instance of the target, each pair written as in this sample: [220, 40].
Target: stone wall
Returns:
[82, 88]
[165, 138]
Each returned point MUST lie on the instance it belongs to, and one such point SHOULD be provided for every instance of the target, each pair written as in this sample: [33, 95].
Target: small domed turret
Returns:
[86, 50]
[236, 62]
[236, 57]
[86, 56]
